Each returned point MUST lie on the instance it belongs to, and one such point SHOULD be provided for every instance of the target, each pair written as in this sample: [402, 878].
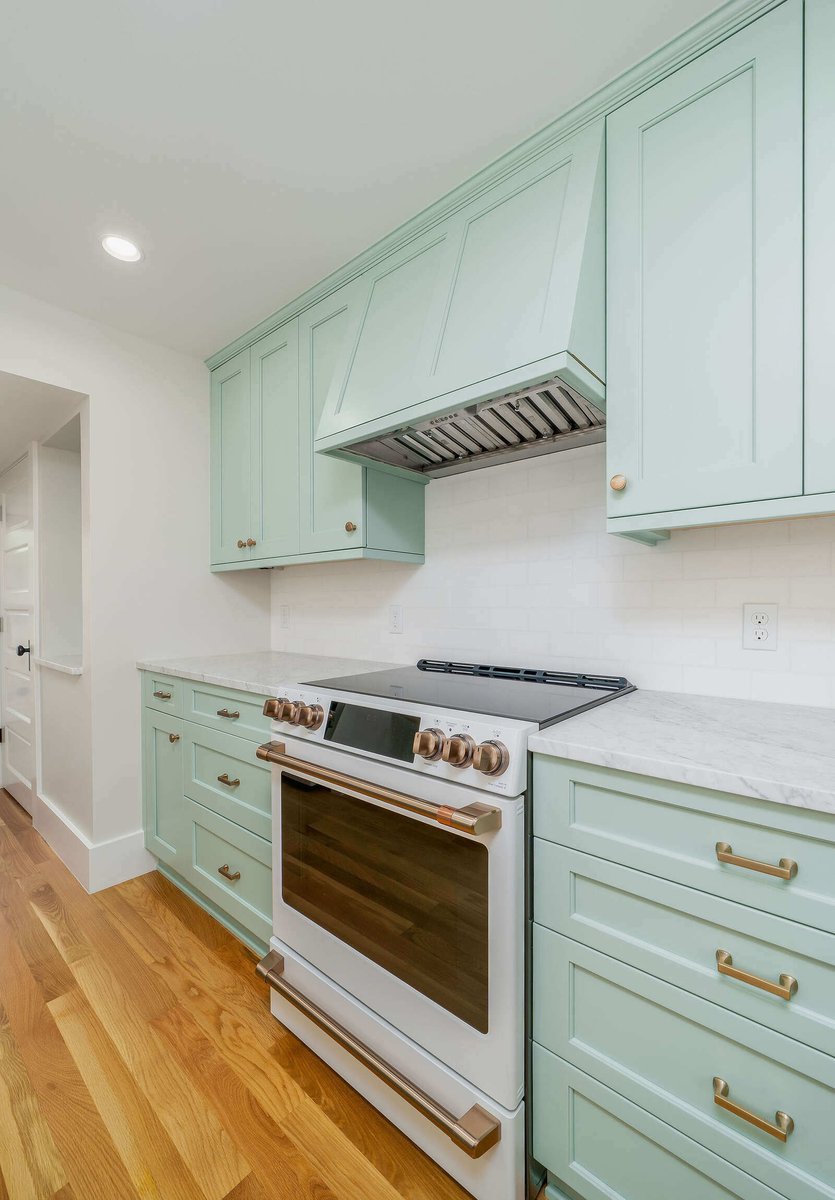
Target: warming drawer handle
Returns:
[474, 819]
[475, 1132]
[785, 869]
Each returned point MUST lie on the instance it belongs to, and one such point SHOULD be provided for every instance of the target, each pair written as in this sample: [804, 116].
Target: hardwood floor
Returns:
[139, 1059]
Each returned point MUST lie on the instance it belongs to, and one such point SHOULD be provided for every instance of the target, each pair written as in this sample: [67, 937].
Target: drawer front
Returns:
[221, 772]
[675, 932]
[220, 849]
[240, 713]
[672, 830]
[163, 693]
[662, 1048]
[606, 1148]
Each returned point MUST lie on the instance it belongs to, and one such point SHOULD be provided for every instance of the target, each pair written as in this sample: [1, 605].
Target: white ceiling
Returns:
[252, 146]
[30, 412]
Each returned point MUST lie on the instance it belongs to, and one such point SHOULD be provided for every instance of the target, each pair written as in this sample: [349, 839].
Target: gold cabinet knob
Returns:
[241, 544]
[173, 737]
[251, 542]
[617, 483]
[350, 527]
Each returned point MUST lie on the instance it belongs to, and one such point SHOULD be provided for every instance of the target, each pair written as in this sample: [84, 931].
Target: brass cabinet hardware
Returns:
[785, 869]
[617, 483]
[230, 716]
[227, 782]
[173, 737]
[350, 527]
[785, 989]
[476, 1132]
[162, 695]
[474, 819]
[232, 876]
[241, 544]
[783, 1124]
[251, 542]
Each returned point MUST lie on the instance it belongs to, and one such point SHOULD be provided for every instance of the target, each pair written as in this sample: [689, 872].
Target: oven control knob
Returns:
[309, 716]
[429, 744]
[491, 758]
[458, 751]
[281, 709]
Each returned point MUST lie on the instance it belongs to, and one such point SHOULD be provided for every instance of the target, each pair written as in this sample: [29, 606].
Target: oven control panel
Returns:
[484, 753]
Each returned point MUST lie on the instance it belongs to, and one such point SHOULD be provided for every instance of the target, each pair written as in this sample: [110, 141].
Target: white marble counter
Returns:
[264, 673]
[779, 752]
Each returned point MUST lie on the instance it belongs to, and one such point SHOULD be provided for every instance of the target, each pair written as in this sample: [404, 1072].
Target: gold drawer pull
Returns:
[173, 737]
[232, 876]
[227, 782]
[783, 1124]
[785, 989]
[162, 695]
[230, 716]
[785, 869]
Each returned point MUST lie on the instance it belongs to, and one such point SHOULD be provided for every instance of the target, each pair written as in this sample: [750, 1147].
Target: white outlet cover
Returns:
[759, 626]
[395, 618]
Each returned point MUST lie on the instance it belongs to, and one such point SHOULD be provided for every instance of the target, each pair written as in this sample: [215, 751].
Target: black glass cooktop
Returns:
[516, 693]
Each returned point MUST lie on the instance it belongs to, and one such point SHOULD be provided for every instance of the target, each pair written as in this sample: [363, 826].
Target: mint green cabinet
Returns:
[231, 466]
[505, 292]
[162, 787]
[274, 393]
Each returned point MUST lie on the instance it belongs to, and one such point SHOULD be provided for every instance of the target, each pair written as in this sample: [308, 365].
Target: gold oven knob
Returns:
[429, 744]
[309, 716]
[458, 751]
[617, 483]
[281, 709]
[491, 758]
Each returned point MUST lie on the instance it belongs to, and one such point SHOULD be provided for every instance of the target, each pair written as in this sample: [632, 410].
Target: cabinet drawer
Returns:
[662, 1047]
[218, 844]
[675, 932]
[162, 693]
[241, 713]
[672, 830]
[607, 1148]
[221, 772]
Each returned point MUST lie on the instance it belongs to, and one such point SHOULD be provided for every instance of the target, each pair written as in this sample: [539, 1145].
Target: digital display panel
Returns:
[388, 733]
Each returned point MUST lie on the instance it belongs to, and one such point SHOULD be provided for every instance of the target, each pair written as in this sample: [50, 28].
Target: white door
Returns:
[17, 608]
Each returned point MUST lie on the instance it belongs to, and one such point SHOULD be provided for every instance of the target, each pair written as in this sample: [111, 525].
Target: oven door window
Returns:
[410, 896]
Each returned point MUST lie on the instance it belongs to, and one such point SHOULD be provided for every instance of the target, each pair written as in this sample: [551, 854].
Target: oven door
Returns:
[412, 902]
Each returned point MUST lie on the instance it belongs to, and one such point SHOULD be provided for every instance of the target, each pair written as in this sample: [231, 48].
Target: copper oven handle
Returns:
[474, 819]
[474, 1133]
[785, 869]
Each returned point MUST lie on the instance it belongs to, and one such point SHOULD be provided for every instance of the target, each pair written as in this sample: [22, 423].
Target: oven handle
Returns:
[474, 818]
[474, 1133]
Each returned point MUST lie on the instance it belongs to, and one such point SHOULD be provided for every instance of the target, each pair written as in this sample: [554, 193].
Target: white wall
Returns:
[148, 589]
[59, 551]
[520, 570]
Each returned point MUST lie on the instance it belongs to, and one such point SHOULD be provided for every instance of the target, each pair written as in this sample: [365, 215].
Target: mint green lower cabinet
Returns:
[239, 713]
[232, 867]
[221, 772]
[162, 786]
[604, 1147]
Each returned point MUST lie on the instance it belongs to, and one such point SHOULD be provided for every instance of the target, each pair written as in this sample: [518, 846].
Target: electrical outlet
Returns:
[395, 618]
[759, 626]
[284, 616]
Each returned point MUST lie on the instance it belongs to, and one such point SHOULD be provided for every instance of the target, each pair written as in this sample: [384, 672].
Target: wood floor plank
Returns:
[149, 1155]
[46, 964]
[247, 1189]
[210, 1155]
[29, 1160]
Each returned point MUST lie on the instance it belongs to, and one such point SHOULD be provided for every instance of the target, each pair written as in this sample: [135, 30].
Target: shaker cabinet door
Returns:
[162, 787]
[330, 489]
[231, 460]
[704, 266]
[274, 521]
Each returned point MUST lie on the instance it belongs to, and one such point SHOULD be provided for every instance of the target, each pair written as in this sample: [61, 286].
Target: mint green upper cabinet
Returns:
[820, 245]
[331, 489]
[505, 292]
[705, 255]
[231, 442]
[274, 424]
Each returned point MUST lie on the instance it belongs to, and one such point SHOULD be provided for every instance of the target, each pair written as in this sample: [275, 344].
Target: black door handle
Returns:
[21, 650]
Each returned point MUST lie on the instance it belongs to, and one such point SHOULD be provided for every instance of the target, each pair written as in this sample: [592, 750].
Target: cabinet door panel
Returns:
[331, 489]
[231, 459]
[274, 523]
[162, 786]
[704, 304]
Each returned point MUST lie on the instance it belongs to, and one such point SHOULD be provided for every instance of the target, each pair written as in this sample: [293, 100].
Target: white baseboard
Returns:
[96, 865]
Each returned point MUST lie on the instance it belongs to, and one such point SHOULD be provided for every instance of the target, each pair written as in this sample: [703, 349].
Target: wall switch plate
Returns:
[395, 618]
[284, 616]
[759, 627]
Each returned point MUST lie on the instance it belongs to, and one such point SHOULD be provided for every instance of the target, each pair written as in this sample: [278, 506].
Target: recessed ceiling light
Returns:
[120, 247]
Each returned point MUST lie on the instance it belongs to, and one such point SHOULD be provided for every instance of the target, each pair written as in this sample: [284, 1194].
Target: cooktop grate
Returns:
[608, 683]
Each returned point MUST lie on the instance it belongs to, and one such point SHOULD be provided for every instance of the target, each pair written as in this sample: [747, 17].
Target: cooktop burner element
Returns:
[516, 693]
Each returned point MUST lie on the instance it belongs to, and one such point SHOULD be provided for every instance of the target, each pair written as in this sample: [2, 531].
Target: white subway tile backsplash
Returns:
[532, 578]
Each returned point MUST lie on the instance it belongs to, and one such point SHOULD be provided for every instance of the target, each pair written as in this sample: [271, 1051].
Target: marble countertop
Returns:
[779, 752]
[264, 673]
